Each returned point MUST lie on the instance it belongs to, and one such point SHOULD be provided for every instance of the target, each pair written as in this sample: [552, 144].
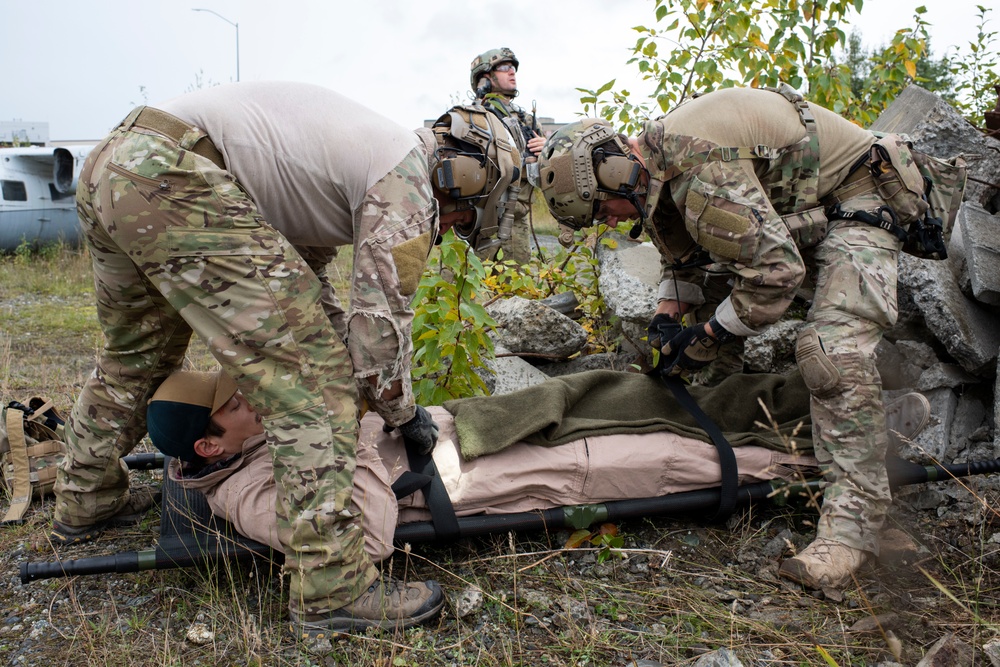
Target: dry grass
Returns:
[679, 589]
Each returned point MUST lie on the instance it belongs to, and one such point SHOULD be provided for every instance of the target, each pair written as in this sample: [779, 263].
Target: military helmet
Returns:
[484, 63]
[474, 165]
[583, 163]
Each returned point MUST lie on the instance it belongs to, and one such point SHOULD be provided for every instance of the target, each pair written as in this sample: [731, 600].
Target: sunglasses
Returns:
[506, 67]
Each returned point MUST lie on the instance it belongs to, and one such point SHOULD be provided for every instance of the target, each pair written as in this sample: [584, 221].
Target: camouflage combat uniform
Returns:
[739, 174]
[518, 247]
[234, 252]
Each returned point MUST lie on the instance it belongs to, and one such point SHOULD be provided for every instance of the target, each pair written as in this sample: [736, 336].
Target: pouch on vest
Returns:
[808, 227]
[31, 449]
[924, 192]
[898, 179]
[944, 187]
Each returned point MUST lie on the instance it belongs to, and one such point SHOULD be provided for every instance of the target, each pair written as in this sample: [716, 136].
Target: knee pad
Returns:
[818, 372]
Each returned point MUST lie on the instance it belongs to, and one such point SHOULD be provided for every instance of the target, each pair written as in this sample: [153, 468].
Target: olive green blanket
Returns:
[759, 409]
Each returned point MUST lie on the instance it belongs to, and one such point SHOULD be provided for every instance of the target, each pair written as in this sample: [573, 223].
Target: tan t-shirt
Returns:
[750, 116]
[306, 154]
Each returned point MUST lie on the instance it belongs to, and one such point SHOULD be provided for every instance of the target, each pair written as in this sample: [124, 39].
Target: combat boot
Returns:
[388, 604]
[824, 564]
[906, 417]
[140, 500]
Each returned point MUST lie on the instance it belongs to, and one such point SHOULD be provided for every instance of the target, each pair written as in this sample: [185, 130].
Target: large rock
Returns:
[629, 278]
[969, 331]
[981, 240]
[936, 128]
[774, 350]
[529, 327]
[507, 374]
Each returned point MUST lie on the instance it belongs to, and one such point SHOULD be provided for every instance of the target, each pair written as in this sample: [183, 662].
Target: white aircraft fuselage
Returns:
[37, 195]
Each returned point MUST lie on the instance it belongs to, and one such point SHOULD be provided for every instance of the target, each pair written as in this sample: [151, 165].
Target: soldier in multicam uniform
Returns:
[216, 213]
[747, 178]
[494, 81]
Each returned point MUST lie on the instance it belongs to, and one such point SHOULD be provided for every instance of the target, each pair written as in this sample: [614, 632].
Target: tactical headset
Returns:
[474, 167]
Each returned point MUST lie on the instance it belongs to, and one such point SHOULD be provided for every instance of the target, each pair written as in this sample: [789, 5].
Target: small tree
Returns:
[977, 73]
[449, 326]
[724, 43]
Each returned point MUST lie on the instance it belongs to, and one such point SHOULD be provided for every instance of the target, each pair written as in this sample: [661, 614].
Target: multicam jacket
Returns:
[745, 170]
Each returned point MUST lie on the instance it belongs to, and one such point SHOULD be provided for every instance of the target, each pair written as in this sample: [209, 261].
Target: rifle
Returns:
[211, 540]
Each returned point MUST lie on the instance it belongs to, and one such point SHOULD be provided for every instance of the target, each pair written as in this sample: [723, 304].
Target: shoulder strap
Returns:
[20, 482]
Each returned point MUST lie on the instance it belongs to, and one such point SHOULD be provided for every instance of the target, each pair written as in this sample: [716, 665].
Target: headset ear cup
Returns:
[460, 177]
[618, 173]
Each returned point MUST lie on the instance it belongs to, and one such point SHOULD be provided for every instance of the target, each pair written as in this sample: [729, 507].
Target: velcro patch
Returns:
[712, 225]
[562, 169]
[720, 247]
[410, 257]
[731, 222]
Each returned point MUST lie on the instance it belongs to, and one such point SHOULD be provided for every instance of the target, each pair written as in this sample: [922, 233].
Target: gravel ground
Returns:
[681, 589]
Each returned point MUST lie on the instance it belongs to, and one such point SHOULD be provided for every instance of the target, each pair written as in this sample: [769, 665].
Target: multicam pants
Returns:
[854, 303]
[178, 246]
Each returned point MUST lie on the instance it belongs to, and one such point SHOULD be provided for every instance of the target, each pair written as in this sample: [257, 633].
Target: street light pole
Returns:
[235, 25]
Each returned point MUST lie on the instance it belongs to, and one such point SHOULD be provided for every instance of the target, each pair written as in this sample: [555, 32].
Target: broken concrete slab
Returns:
[969, 331]
[981, 238]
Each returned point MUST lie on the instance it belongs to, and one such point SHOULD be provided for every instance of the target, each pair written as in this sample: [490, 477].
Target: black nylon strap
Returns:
[727, 457]
[409, 483]
[422, 469]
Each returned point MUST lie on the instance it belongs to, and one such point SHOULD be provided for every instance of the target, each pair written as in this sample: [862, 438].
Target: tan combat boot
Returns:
[824, 564]
[387, 604]
[906, 417]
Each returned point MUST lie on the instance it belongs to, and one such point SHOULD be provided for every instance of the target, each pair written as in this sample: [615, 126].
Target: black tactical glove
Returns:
[661, 330]
[420, 433]
[693, 348]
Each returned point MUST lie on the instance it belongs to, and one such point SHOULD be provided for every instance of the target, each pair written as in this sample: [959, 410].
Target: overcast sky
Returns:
[82, 65]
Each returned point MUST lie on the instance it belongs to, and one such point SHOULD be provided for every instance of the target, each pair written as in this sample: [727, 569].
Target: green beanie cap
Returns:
[179, 412]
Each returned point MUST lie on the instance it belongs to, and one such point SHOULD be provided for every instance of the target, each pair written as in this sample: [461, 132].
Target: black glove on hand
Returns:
[661, 330]
[693, 348]
[420, 433]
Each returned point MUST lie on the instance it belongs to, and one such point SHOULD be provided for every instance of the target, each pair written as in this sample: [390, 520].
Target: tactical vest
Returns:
[514, 118]
[790, 182]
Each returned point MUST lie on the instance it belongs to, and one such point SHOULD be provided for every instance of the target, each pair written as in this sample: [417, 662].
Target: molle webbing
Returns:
[809, 164]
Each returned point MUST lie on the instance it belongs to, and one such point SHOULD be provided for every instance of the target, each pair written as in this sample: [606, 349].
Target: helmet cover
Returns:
[583, 163]
[484, 63]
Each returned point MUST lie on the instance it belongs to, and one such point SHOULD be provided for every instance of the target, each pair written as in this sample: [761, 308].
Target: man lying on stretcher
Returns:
[588, 438]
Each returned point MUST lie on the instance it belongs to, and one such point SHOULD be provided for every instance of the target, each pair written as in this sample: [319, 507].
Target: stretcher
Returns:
[190, 536]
